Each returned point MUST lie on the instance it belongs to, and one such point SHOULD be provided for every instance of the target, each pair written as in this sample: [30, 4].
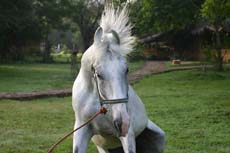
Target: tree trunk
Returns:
[219, 53]
[74, 67]
[87, 33]
[46, 54]
[87, 36]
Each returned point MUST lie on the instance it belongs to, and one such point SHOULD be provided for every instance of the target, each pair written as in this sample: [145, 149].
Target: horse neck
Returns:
[85, 76]
[86, 81]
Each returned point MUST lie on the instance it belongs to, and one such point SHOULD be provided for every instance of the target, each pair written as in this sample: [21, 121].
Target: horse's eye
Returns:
[99, 76]
[92, 68]
[127, 70]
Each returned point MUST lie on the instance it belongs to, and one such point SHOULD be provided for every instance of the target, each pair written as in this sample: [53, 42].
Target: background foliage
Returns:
[27, 24]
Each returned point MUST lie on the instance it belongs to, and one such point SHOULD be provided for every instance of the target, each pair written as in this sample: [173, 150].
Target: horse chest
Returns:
[104, 133]
[103, 125]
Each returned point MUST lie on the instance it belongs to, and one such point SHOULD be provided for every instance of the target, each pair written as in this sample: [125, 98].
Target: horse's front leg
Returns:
[128, 142]
[81, 138]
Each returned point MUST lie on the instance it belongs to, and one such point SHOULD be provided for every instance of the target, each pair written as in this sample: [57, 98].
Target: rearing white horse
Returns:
[102, 80]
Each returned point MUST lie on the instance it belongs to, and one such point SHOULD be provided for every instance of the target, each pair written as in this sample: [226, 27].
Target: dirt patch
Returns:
[150, 67]
[36, 94]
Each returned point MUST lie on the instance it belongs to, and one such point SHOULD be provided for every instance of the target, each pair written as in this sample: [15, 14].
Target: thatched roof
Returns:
[201, 27]
[196, 30]
[155, 37]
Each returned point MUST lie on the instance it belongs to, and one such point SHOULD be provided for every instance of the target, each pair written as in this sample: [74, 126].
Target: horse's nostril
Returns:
[117, 125]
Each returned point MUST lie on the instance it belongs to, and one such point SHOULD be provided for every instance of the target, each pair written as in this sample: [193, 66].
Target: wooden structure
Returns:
[173, 45]
[226, 55]
[174, 62]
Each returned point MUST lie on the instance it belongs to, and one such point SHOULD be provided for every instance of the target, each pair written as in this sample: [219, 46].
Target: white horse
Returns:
[102, 80]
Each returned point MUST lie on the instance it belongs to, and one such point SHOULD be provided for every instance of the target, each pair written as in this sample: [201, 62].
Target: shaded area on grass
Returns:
[40, 77]
[34, 77]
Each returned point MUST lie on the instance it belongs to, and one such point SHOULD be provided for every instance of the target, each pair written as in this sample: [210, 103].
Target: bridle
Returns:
[102, 110]
[108, 101]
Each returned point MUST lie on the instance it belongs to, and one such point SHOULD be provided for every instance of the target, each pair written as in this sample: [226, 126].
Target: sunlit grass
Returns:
[193, 108]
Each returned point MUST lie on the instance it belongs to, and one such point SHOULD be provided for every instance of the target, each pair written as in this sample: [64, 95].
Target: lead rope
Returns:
[102, 110]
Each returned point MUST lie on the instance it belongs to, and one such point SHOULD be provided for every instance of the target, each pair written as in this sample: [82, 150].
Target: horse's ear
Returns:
[116, 36]
[98, 35]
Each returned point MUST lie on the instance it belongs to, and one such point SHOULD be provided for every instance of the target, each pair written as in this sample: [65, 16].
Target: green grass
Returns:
[36, 77]
[32, 126]
[192, 107]
[135, 65]
[63, 57]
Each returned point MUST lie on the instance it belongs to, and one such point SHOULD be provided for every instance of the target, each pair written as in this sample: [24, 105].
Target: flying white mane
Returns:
[118, 20]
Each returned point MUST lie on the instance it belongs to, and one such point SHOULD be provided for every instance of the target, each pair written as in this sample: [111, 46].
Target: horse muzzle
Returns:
[122, 126]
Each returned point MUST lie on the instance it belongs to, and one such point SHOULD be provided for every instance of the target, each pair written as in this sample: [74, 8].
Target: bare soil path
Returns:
[149, 68]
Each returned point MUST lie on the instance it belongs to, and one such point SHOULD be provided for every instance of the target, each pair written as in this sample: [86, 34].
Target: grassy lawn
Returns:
[135, 65]
[35, 77]
[192, 107]
[32, 126]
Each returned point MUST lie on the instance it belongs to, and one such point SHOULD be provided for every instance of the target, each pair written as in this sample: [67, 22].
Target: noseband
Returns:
[108, 101]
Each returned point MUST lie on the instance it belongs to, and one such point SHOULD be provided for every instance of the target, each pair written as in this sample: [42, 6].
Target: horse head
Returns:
[110, 71]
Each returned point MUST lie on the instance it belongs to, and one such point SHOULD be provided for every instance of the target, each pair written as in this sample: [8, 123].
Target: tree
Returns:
[26, 21]
[32, 20]
[171, 20]
[158, 16]
[86, 14]
[217, 14]
[17, 27]
[175, 15]
[49, 14]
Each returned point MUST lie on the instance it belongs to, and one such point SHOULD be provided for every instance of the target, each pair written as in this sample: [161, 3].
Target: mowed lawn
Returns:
[36, 77]
[193, 107]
